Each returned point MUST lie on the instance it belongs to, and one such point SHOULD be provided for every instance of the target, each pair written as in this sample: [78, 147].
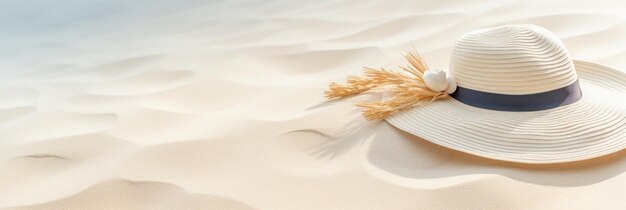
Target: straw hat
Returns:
[510, 93]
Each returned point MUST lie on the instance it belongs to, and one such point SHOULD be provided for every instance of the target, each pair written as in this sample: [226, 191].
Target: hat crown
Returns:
[511, 59]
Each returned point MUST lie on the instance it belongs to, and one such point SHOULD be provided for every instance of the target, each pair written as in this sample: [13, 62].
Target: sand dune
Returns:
[219, 105]
[124, 194]
[58, 167]
[320, 60]
[396, 30]
[142, 84]
[42, 125]
[18, 97]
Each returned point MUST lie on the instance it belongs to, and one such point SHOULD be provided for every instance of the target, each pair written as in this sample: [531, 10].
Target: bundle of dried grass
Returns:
[409, 89]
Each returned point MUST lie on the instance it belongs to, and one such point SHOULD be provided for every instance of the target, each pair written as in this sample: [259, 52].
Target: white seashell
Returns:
[436, 80]
[451, 84]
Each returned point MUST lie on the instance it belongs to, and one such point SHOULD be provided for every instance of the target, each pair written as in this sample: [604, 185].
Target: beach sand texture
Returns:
[219, 105]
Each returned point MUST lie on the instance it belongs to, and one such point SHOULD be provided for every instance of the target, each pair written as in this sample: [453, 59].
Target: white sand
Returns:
[218, 105]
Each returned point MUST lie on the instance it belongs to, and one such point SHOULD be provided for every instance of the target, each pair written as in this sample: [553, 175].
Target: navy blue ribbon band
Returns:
[519, 103]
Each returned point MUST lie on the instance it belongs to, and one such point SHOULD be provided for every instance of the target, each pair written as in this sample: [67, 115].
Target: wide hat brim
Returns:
[591, 127]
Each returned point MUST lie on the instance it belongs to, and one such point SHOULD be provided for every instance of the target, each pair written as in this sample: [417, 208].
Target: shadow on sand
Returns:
[403, 154]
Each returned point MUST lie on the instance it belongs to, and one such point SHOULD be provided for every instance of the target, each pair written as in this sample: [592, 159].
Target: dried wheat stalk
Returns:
[408, 89]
